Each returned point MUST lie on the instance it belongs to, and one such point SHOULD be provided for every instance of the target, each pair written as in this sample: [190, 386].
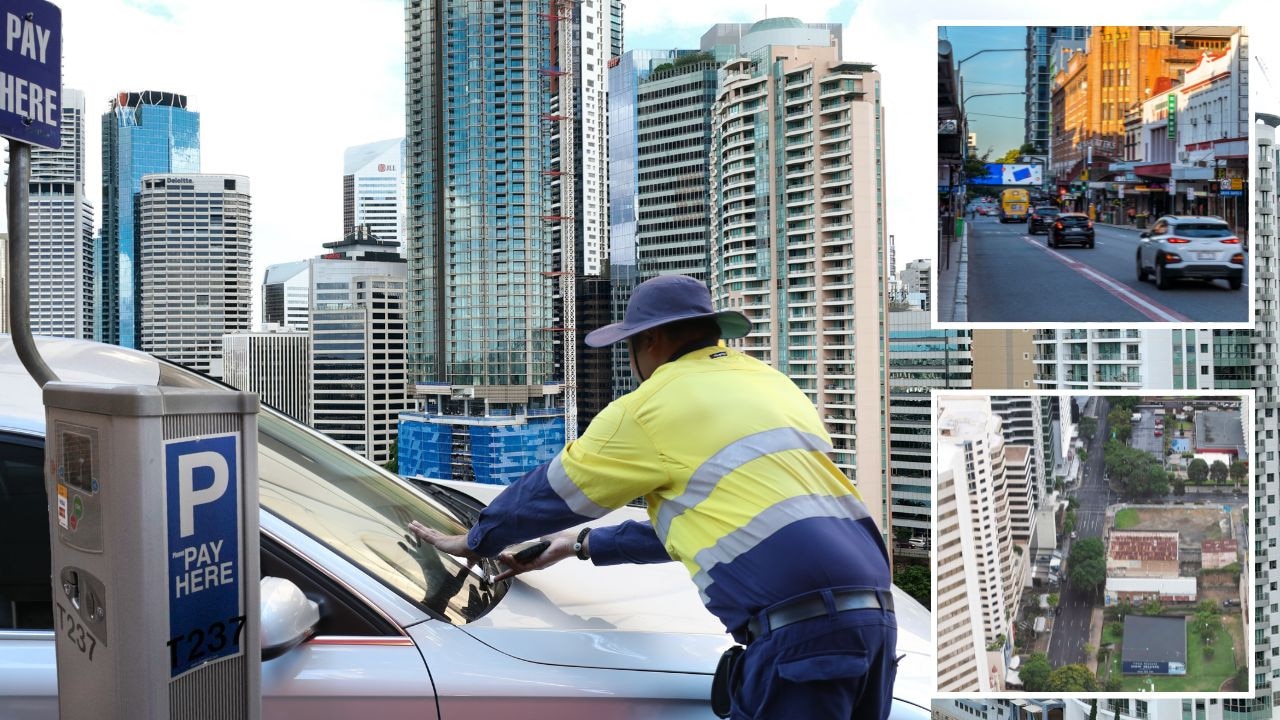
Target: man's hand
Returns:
[455, 545]
[561, 547]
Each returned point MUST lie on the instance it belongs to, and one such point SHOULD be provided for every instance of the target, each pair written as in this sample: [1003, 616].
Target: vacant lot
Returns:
[1195, 524]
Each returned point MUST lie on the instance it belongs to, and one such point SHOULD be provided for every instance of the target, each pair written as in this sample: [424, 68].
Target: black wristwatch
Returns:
[579, 546]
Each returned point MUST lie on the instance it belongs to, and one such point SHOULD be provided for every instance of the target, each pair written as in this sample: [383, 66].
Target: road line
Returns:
[1149, 308]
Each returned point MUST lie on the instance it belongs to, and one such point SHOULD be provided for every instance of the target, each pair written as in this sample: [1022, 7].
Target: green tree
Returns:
[1087, 564]
[1219, 471]
[1206, 622]
[1088, 426]
[1054, 599]
[1011, 156]
[914, 581]
[1239, 469]
[1114, 684]
[394, 463]
[1035, 673]
[1072, 678]
[1152, 608]
[1197, 471]
[1179, 486]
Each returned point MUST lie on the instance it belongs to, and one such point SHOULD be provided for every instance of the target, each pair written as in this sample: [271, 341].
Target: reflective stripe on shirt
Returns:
[769, 521]
[728, 459]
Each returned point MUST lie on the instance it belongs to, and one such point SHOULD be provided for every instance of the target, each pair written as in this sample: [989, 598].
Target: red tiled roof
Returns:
[1143, 546]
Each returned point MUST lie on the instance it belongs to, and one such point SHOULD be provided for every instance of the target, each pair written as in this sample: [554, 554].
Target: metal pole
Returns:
[19, 198]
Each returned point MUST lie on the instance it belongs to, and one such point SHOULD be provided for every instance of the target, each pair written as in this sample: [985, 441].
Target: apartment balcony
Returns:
[838, 181]
[843, 253]
[828, 123]
[835, 136]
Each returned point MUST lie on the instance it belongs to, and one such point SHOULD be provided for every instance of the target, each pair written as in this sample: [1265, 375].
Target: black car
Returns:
[1042, 218]
[1074, 228]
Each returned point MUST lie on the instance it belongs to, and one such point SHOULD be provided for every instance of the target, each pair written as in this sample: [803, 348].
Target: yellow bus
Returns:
[1015, 205]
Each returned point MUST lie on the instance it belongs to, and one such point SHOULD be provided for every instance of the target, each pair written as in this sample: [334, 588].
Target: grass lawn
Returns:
[1126, 519]
[1202, 675]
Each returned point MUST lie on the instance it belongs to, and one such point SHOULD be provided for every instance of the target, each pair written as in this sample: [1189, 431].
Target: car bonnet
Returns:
[645, 617]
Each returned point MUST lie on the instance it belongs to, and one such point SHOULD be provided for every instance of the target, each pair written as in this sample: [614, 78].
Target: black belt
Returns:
[812, 606]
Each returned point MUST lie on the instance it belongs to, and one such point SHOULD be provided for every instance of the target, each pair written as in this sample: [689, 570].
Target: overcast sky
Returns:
[283, 87]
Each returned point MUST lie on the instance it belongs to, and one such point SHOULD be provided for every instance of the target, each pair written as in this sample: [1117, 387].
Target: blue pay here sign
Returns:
[202, 505]
[31, 72]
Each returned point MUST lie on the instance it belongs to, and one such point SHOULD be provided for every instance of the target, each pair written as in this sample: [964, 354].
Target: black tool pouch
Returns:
[727, 681]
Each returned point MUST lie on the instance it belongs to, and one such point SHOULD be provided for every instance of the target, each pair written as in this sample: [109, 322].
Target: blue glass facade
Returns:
[142, 133]
[499, 454]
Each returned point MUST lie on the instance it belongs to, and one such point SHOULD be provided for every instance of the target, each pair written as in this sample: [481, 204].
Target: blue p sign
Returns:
[206, 612]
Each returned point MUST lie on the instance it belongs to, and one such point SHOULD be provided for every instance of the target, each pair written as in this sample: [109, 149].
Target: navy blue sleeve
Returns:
[526, 509]
[629, 542]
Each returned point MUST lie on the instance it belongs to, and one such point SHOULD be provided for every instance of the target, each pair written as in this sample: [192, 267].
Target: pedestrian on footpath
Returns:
[732, 459]
[1133, 213]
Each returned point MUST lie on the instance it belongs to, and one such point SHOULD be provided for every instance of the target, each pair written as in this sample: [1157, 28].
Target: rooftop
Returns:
[1154, 639]
[1219, 429]
[1150, 546]
[1218, 546]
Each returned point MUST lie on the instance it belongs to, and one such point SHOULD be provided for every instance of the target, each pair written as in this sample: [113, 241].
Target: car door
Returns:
[359, 662]
[28, 677]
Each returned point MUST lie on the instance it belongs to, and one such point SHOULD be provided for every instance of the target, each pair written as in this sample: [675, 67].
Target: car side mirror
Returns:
[288, 617]
[1144, 235]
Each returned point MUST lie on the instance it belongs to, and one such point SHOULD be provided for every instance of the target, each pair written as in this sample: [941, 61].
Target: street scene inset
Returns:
[1098, 174]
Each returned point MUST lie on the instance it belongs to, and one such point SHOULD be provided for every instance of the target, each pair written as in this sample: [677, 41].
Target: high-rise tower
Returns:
[61, 232]
[142, 133]
[373, 189]
[194, 249]
[798, 230]
[481, 355]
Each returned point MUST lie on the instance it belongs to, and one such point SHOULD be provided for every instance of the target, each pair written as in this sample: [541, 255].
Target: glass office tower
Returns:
[480, 349]
[142, 133]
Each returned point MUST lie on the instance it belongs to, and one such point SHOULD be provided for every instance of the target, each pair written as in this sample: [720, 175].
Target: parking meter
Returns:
[153, 502]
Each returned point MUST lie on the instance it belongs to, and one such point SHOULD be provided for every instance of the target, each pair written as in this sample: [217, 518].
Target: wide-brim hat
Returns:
[667, 299]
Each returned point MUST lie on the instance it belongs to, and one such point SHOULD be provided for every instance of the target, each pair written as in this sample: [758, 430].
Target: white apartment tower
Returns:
[273, 362]
[1266, 427]
[798, 238]
[979, 576]
[1128, 359]
[61, 232]
[373, 189]
[194, 249]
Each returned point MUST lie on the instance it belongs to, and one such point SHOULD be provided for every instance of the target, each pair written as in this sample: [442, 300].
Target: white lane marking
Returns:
[1149, 308]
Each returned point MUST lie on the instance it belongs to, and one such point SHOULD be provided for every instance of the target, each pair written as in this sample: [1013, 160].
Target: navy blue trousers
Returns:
[834, 666]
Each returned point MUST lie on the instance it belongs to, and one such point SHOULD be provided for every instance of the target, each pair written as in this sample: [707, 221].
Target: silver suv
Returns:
[1190, 246]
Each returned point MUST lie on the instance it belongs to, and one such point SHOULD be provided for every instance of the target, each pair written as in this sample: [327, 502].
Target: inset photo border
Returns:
[1094, 544]
[1122, 157]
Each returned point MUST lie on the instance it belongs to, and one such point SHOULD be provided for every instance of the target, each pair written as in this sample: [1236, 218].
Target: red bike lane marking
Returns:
[1149, 308]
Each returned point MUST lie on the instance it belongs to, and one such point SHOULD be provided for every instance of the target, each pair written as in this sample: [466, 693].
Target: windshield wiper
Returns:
[459, 503]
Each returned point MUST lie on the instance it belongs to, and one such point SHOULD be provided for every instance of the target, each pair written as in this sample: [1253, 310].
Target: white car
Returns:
[1190, 247]
[404, 631]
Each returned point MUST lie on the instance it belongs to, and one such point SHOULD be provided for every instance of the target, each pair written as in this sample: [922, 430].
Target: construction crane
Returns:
[560, 17]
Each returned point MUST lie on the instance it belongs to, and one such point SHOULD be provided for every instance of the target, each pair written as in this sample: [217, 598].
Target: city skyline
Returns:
[305, 169]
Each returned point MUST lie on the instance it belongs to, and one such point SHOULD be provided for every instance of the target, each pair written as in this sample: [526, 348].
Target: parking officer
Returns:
[732, 459]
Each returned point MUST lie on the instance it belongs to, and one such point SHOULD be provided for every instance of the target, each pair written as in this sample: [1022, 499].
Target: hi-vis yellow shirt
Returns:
[731, 457]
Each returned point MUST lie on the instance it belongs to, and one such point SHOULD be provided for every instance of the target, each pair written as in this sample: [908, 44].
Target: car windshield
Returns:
[360, 511]
[1202, 230]
[1047, 211]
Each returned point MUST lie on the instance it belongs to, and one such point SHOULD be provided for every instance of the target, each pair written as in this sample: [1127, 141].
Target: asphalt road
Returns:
[1016, 277]
[1071, 627]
